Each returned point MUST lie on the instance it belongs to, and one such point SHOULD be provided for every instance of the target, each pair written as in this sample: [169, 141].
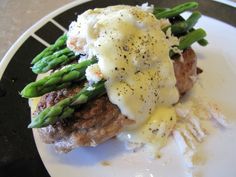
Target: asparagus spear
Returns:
[57, 80]
[60, 42]
[65, 108]
[192, 20]
[159, 10]
[187, 40]
[177, 28]
[191, 37]
[176, 10]
[181, 26]
[184, 26]
[58, 58]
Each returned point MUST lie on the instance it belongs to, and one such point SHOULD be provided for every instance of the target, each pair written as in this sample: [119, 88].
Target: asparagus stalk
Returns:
[176, 10]
[159, 10]
[60, 42]
[58, 58]
[177, 28]
[191, 37]
[65, 108]
[184, 26]
[192, 20]
[57, 80]
[187, 40]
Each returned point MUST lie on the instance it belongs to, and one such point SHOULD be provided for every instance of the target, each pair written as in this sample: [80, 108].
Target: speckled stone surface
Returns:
[16, 16]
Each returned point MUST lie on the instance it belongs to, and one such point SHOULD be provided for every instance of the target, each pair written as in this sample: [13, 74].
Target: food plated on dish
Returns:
[121, 71]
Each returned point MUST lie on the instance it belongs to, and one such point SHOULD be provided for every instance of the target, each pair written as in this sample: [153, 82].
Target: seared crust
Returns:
[99, 119]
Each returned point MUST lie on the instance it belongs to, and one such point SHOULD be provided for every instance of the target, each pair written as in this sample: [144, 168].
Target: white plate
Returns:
[218, 82]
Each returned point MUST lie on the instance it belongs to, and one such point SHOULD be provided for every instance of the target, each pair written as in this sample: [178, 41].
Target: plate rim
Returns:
[37, 24]
[31, 30]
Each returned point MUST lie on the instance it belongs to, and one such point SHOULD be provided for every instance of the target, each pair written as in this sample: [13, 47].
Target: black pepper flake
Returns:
[116, 68]
[125, 48]
[125, 56]
[155, 131]
[141, 98]
[171, 118]
[163, 135]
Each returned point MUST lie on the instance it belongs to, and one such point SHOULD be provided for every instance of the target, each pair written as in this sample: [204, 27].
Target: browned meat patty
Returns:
[99, 119]
[92, 123]
[185, 70]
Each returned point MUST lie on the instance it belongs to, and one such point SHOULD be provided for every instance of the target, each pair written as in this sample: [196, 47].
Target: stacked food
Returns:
[117, 69]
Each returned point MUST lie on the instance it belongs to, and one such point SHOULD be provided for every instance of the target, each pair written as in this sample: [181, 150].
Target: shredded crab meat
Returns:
[217, 115]
[93, 73]
[147, 8]
[196, 128]
[189, 131]
[185, 149]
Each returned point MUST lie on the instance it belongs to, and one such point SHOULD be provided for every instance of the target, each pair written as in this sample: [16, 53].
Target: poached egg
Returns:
[133, 58]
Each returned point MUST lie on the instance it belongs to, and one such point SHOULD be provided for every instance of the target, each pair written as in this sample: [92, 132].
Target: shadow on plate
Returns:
[88, 156]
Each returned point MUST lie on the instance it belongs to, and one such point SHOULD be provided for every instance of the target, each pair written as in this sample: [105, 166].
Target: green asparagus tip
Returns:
[59, 43]
[57, 80]
[34, 123]
[203, 42]
[27, 92]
